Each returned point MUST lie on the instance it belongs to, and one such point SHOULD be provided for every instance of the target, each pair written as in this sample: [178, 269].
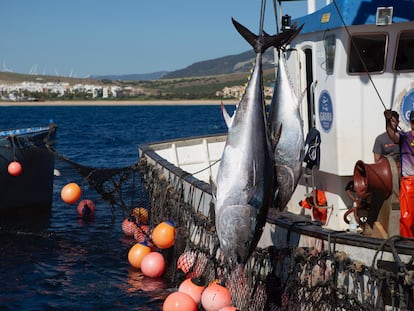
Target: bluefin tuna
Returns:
[286, 130]
[243, 190]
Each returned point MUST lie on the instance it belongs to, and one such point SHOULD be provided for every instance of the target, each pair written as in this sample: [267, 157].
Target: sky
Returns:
[79, 38]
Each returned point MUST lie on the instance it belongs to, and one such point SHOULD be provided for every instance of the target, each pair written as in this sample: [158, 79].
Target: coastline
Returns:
[119, 103]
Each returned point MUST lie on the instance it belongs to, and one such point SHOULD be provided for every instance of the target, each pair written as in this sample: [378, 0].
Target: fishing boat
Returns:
[337, 244]
[31, 189]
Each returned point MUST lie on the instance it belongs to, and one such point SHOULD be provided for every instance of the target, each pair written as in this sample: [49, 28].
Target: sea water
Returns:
[59, 262]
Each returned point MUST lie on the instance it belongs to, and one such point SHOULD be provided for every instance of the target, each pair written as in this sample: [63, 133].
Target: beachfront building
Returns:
[56, 90]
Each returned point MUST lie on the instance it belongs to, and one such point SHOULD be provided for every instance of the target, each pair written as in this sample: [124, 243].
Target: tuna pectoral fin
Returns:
[227, 118]
[276, 137]
[213, 188]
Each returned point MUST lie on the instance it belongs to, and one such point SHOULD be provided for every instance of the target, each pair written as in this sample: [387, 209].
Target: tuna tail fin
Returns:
[287, 36]
[264, 41]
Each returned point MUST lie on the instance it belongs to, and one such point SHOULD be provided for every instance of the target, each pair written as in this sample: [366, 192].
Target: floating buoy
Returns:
[228, 308]
[141, 215]
[137, 253]
[14, 168]
[141, 233]
[129, 226]
[215, 297]
[179, 301]
[86, 208]
[153, 265]
[163, 235]
[193, 288]
[71, 193]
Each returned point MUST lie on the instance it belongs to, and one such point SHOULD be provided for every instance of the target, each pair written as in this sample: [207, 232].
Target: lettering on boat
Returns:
[325, 111]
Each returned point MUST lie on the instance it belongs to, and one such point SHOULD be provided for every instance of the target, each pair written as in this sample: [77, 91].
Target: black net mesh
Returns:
[273, 279]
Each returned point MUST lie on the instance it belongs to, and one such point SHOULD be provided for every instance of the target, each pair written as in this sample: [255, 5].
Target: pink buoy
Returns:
[215, 297]
[129, 226]
[193, 288]
[179, 301]
[153, 265]
[228, 308]
[15, 168]
[86, 208]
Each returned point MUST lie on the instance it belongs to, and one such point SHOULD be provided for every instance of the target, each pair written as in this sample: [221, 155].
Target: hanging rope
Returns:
[359, 55]
[262, 16]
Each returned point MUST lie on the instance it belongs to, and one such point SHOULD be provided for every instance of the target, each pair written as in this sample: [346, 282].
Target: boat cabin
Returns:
[354, 59]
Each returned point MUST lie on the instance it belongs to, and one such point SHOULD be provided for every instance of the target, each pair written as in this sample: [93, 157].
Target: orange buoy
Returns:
[163, 235]
[215, 297]
[86, 208]
[179, 301]
[193, 288]
[141, 215]
[141, 233]
[14, 168]
[129, 226]
[153, 265]
[137, 253]
[71, 193]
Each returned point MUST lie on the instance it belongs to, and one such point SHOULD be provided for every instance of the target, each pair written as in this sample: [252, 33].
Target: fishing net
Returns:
[288, 278]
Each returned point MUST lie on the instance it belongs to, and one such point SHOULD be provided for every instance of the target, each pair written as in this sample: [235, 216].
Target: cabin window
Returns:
[367, 53]
[329, 44]
[404, 59]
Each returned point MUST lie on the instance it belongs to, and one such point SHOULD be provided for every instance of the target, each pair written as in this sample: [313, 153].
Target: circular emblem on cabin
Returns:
[325, 111]
[407, 105]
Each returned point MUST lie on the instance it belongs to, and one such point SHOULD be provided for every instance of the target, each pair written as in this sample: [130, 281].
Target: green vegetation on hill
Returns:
[202, 87]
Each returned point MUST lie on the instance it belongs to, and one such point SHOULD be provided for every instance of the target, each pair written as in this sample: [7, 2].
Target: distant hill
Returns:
[223, 65]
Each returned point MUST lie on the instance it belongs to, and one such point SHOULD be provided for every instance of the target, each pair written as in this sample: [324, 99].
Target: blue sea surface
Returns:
[59, 262]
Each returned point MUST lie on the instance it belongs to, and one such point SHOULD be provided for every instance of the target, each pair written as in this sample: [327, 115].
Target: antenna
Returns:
[33, 70]
[5, 69]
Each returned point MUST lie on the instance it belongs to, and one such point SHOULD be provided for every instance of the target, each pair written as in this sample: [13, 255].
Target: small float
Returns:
[27, 169]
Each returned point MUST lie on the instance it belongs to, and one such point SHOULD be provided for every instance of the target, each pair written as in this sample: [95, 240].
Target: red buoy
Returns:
[186, 261]
[86, 208]
[141, 233]
[153, 265]
[179, 301]
[129, 226]
[71, 193]
[15, 168]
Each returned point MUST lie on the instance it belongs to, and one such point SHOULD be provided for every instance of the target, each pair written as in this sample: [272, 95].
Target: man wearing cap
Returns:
[405, 140]
[384, 146]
